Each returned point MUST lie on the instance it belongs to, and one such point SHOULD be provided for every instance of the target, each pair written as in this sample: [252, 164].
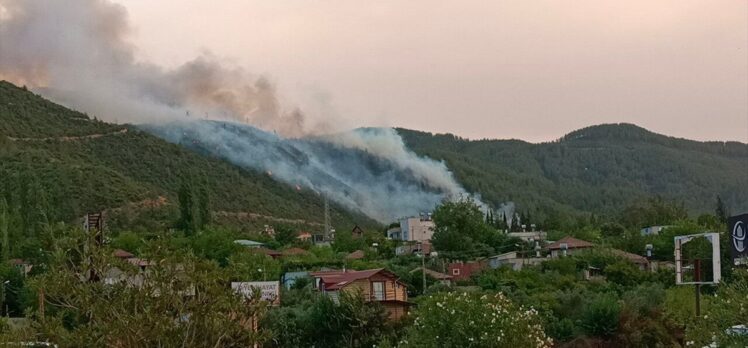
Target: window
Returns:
[377, 291]
[456, 271]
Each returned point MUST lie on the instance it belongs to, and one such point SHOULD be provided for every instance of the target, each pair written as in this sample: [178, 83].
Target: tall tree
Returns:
[4, 222]
[515, 223]
[203, 203]
[720, 210]
[186, 209]
[461, 229]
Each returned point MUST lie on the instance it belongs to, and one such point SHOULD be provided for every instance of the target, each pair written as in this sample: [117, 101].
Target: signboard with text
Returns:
[268, 291]
[738, 229]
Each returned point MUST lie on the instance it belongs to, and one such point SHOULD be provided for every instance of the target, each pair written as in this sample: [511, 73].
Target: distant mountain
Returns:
[600, 169]
[86, 165]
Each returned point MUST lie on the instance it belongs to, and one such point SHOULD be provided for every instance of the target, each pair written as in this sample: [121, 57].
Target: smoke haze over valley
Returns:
[93, 68]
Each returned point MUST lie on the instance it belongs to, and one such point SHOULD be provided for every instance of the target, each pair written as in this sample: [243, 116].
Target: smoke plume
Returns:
[77, 53]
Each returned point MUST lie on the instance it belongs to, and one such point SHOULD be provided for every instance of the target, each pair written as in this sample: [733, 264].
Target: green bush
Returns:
[600, 317]
[474, 320]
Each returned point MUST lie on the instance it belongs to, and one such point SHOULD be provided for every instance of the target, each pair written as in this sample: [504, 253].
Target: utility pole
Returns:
[327, 219]
[697, 278]
[423, 268]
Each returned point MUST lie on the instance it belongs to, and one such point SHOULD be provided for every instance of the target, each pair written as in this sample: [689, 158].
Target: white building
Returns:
[652, 230]
[413, 229]
[529, 236]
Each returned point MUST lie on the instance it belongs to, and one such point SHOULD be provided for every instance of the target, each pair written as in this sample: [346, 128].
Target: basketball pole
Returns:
[697, 278]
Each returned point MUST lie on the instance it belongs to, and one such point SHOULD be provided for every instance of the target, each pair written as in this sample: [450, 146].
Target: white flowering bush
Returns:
[474, 320]
[727, 308]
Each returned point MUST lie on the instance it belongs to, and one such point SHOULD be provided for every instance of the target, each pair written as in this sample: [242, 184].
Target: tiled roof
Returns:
[17, 262]
[294, 251]
[631, 257]
[122, 254]
[433, 274]
[334, 280]
[356, 255]
[266, 251]
[571, 242]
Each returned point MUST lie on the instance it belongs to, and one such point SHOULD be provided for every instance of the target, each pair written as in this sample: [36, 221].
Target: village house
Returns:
[653, 230]
[413, 229]
[529, 236]
[24, 267]
[294, 252]
[639, 261]
[413, 248]
[441, 278]
[357, 232]
[514, 260]
[356, 255]
[376, 285]
[304, 236]
[269, 252]
[465, 270]
[289, 278]
[567, 246]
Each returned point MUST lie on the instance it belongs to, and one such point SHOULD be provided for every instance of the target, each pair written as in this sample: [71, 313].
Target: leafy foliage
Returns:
[136, 177]
[601, 169]
[462, 233]
[474, 320]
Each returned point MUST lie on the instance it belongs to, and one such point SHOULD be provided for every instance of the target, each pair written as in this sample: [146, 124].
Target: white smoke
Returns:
[76, 52]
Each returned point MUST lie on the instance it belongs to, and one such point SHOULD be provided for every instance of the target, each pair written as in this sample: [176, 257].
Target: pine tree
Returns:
[35, 211]
[186, 209]
[720, 211]
[515, 223]
[204, 205]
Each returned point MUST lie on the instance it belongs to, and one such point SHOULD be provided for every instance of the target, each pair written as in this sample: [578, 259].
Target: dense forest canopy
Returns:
[600, 169]
[72, 164]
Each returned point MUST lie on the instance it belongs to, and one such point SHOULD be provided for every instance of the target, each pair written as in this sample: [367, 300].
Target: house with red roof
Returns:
[269, 252]
[294, 252]
[356, 255]
[122, 254]
[376, 285]
[23, 266]
[567, 246]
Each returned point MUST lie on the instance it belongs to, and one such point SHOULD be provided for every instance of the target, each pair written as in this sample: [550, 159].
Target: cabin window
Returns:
[456, 271]
[377, 290]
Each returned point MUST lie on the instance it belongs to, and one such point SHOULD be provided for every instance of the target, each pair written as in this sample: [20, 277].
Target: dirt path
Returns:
[161, 201]
[82, 137]
[254, 216]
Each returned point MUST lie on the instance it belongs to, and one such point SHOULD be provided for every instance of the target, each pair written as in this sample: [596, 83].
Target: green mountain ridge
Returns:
[599, 169]
[85, 165]
[89, 165]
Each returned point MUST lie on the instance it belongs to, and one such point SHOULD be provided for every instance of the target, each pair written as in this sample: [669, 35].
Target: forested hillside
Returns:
[62, 164]
[601, 169]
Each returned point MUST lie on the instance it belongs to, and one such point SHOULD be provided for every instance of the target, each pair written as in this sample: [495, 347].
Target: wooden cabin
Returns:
[378, 285]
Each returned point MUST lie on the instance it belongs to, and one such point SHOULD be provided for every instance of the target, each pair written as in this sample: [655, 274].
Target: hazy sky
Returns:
[532, 70]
